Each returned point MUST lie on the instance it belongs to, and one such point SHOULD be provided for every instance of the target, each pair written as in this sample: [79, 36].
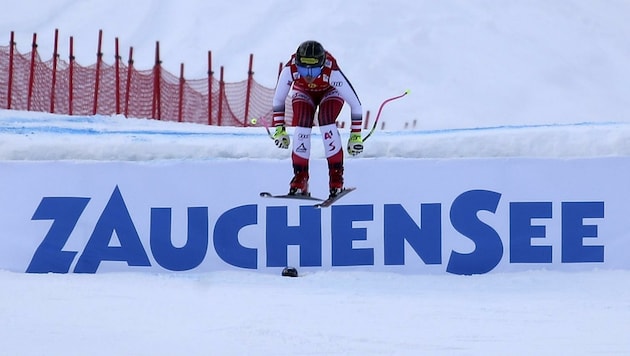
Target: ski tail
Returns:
[289, 196]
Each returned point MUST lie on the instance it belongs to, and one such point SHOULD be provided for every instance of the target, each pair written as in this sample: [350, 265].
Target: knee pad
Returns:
[332, 140]
[301, 143]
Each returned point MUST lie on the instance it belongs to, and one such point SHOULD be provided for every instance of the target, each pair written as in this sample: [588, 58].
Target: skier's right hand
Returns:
[281, 138]
[355, 143]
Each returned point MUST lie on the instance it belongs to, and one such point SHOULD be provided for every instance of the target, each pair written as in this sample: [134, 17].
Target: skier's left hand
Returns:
[355, 143]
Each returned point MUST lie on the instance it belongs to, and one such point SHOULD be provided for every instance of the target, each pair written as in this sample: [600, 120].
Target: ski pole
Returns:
[378, 115]
[253, 121]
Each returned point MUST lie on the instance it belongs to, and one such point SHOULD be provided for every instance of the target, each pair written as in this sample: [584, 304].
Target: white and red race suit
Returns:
[328, 92]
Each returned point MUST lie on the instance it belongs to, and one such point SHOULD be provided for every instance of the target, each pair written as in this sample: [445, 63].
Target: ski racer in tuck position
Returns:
[314, 80]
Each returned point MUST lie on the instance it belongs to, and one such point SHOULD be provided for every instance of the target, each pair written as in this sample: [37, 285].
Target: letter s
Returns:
[488, 246]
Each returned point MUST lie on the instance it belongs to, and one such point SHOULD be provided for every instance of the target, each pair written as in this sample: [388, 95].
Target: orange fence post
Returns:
[180, 105]
[31, 79]
[117, 64]
[156, 109]
[71, 77]
[221, 93]
[210, 80]
[54, 73]
[97, 77]
[250, 75]
[128, 87]
[10, 84]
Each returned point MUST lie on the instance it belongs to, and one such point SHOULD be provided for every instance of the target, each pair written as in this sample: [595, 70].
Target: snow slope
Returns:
[36, 136]
[323, 313]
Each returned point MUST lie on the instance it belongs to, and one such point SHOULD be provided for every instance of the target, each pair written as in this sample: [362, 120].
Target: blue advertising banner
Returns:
[457, 216]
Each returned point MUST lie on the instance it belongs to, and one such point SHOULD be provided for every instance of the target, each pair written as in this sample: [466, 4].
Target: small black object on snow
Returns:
[289, 272]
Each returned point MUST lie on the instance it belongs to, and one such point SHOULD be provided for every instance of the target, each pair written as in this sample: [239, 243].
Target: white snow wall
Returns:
[460, 216]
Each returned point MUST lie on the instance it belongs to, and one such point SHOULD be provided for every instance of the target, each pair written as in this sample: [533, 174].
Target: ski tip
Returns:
[324, 204]
[265, 194]
[328, 202]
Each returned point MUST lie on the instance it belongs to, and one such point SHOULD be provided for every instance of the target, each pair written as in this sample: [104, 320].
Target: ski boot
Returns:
[335, 174]
[299, 183]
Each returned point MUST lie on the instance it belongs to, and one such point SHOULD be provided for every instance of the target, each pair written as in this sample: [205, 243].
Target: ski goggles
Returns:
[309, 72]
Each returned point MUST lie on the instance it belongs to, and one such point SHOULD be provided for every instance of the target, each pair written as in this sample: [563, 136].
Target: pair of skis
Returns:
[321, 203]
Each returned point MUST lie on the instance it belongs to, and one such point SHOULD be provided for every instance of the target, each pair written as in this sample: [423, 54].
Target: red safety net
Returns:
[65, 87]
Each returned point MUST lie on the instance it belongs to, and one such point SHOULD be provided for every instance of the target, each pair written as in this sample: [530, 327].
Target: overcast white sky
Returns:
[468, 64]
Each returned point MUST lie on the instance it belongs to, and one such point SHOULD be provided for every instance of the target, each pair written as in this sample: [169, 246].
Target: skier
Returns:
[315, 80]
